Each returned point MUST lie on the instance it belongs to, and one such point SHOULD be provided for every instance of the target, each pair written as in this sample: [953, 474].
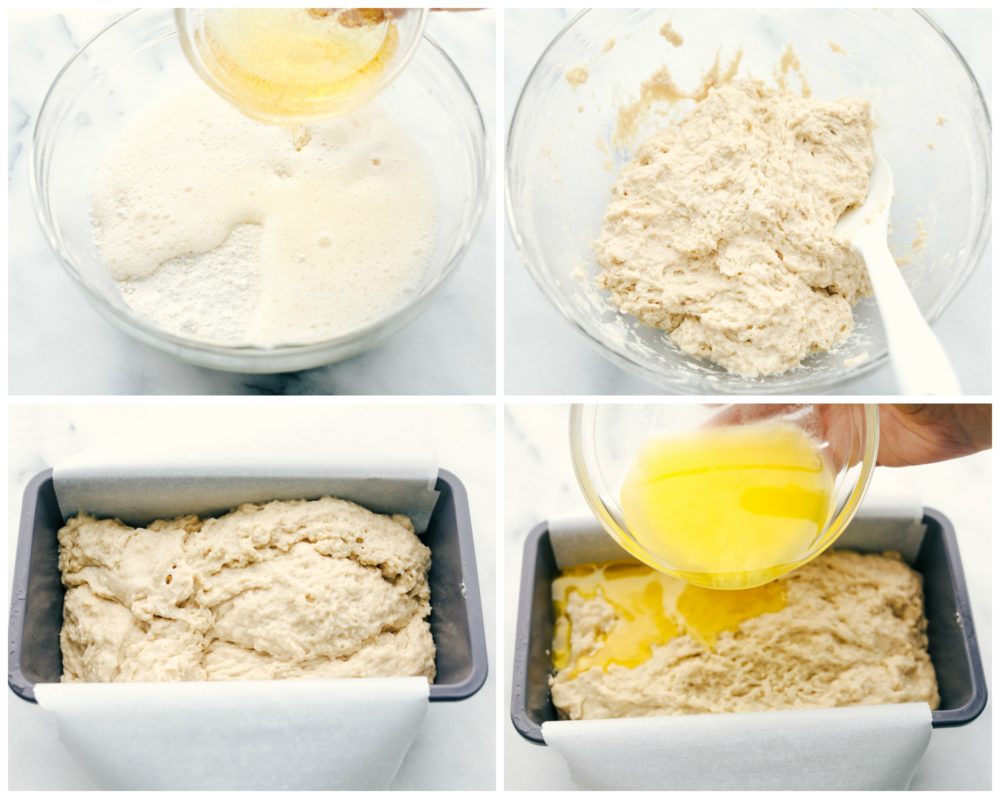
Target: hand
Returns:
[908, 434]
[912, 434]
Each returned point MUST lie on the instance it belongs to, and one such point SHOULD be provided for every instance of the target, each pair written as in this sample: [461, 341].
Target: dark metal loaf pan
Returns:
[456, 615]
[951, 636]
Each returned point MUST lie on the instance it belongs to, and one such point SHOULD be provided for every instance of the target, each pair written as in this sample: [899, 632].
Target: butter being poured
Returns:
[651, 608]
[728, 507]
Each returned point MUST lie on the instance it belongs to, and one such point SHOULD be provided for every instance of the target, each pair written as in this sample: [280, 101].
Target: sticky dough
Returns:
[720, 230]
[853, 633]
[322, 588]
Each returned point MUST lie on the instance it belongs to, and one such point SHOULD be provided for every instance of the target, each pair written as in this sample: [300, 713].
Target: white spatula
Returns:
[918, 359]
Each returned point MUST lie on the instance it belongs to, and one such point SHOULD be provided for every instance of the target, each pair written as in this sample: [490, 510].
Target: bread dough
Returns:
[577, 76]
[320, 588]
[853, 633]
[720, 229]
[667, 32]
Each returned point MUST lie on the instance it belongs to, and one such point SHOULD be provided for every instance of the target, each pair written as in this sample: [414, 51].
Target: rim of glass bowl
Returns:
[197, 63]
[293, 356]
[582, 442]
[584, 323]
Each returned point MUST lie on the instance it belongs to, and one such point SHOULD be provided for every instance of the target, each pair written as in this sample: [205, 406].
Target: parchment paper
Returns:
[837, 748]
[164, 476]
[280, 734]
[849, 748]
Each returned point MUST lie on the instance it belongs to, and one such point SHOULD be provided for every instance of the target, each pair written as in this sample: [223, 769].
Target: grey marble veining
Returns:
[546, 354]
[59, 344]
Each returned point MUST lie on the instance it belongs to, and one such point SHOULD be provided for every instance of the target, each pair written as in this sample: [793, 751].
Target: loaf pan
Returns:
[951, 636]
[456, 611]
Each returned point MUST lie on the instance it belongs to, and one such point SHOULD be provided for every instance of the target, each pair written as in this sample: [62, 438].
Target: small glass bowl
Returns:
[932, 126]
[133, 63]
[604, 440]
[192, 28]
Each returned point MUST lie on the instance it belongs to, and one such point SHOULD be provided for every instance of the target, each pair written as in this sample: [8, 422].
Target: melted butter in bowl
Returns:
[728, 507]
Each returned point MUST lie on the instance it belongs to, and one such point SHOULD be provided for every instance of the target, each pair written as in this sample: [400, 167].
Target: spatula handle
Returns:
[918, 359]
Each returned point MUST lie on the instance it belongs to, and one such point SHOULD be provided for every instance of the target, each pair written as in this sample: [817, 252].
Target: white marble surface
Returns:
[60, 345]
[545, 354]
[539, 483]
[455, 748]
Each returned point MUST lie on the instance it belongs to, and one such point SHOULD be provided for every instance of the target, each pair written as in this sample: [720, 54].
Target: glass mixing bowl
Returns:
[137, 60]
[195, 24]
[560, 168]
[604, 440]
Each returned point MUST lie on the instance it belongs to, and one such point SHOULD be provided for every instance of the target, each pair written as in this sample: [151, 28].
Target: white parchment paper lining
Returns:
[281, 734]
[168, 475]
[838, 748]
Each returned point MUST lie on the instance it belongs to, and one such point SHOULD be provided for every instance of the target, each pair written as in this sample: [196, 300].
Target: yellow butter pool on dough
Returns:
[650, 609]
[729, 507]
[845, 629]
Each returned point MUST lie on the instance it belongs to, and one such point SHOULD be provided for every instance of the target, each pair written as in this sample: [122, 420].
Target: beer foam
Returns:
[221, 229]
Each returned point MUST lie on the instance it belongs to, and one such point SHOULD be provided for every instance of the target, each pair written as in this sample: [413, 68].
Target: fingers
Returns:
[928, 433]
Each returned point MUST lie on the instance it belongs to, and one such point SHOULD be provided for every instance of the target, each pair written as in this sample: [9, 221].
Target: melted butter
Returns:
[279, 64]
[650, 609]
[709, 612]
[728, 507]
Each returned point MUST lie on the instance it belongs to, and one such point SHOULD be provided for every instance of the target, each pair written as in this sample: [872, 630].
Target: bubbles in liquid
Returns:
[310, 288]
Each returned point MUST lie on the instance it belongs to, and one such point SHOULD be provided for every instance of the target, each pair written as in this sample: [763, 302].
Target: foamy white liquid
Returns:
[216, 228]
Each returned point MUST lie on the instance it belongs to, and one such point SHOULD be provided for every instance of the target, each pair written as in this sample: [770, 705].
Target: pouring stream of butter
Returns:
[728, 507]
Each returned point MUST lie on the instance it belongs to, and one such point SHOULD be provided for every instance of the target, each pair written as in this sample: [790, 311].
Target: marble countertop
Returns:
[455, 747]
[60, 345]
[539, 483]
[570, 363]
